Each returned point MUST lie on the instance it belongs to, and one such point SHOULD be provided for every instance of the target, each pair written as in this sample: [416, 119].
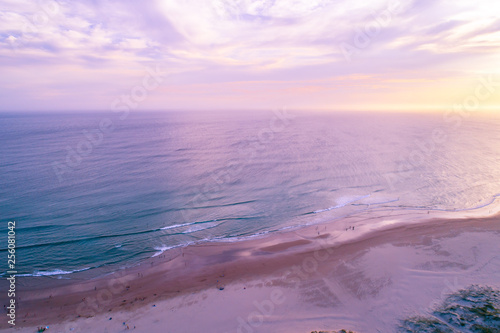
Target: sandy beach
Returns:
[342, 275]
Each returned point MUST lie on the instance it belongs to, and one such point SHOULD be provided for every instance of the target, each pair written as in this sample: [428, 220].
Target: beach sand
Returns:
[363, 273]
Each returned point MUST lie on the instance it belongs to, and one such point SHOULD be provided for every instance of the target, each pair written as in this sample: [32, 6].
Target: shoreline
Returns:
[405, 215]
[217, 265]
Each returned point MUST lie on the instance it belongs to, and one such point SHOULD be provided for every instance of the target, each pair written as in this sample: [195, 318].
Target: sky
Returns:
[402, 55]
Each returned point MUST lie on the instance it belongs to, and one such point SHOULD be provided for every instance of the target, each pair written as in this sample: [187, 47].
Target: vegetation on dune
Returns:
[473, 309]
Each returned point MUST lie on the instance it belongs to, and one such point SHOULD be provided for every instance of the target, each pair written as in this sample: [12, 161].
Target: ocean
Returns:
[97, 192]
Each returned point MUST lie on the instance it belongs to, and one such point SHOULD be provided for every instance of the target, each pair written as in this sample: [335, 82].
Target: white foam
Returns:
[342, 202]
[54, 272]
[177, 225]
[201, 226]
[162, 249]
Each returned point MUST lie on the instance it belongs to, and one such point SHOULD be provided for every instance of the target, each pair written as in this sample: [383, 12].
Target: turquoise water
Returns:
[85, 196]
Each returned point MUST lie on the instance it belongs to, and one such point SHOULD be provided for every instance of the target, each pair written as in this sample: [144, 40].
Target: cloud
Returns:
[107, 44]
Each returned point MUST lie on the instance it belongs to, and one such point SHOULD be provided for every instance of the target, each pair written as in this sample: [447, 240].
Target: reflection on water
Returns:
[161, 180]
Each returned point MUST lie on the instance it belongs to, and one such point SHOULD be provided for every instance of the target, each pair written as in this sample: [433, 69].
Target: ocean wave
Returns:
[219, 206]
[492, 201]
[54, 272]
[94, 238]
[194, 226]
[178, 225]
[343, 202]
[239, 238]
[381, 202]
[201, 226]
[164, 248]
[99, 237]
[479, 206]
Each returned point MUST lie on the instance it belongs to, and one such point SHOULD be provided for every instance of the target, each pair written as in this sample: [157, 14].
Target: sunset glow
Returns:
[221, 54]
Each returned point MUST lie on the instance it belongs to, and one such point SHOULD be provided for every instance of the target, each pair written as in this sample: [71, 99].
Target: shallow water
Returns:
[84, 197]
